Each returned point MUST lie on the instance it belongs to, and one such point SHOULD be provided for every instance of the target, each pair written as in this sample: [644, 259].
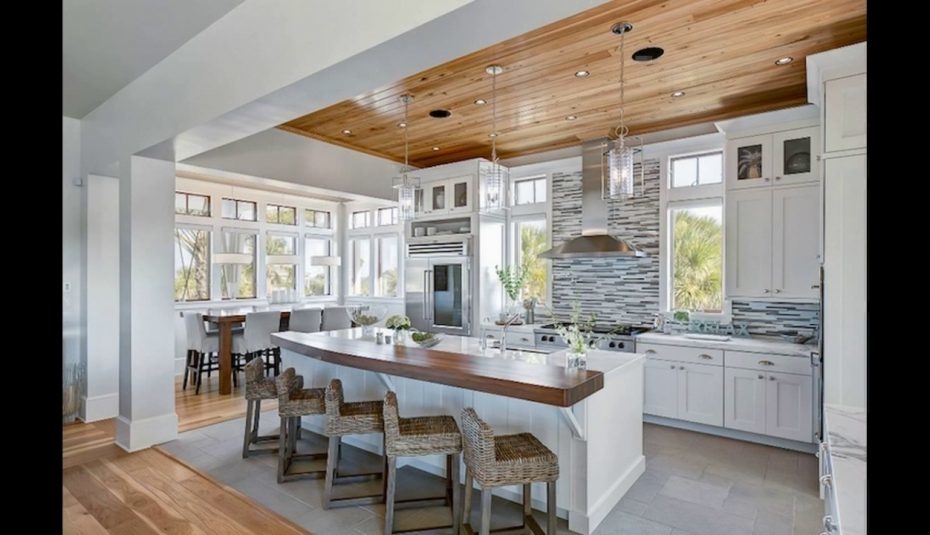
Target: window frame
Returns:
[187, 204]
[307, 225]
[376, 264]
[394, 219]
[331, 280]
[695, 156]
[684, 205]
[209, 230]
[367, 213]
[534, 179]
[237, 218]
[278, 208]
[258, 272]
[514, 245]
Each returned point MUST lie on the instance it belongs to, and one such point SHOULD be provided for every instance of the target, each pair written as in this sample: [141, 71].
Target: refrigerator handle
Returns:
[429, 294]
[425, 290]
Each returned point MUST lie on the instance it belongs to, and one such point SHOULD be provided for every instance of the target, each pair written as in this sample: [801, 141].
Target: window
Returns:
[529, 239]
[280, 253]
[360, 266]
[361, 219]
[237, 271]
[241, 210]
[317, 219]
[696, 169]
[387, 216]
[696, 255]
[191, 204]
[282, 215]
[529, 191]
[191, 264]
[317, 278]
[387, 269]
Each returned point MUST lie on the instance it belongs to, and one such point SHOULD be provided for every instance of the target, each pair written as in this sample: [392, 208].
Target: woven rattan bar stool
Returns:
[294, 401]
[412, 437]
[257, 388]
[354, 418]
[497, 461]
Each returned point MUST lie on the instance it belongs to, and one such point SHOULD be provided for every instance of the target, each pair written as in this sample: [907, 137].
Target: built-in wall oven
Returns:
[437, 288]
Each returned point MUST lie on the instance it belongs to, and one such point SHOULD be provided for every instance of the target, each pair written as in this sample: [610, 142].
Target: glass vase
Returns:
[400, 336]
[576, 360]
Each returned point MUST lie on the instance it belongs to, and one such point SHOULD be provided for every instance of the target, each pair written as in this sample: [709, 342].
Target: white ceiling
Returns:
[108, 43]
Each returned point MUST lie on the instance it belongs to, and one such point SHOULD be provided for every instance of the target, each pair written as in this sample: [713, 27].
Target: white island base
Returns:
[599, 440]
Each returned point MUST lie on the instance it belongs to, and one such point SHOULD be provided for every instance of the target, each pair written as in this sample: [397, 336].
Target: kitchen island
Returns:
[591, 419]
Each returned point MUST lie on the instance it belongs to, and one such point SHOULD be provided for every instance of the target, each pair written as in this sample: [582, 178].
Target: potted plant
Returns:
[401, 324]
[580, 336]
[513, 279]
[750, 162]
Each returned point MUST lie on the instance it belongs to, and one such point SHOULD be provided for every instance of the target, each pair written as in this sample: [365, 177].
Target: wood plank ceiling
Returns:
[721, 53]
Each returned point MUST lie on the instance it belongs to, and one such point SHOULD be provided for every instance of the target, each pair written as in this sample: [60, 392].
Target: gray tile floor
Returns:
[694, 484]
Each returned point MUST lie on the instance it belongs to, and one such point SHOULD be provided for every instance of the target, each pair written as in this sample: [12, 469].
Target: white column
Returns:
[146, 374]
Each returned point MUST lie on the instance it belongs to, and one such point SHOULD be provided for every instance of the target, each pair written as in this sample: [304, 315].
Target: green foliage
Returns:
[513, 279]
[532, 243]
[698, 262]
[681, 315]
[421, 336]
[579, 333]
[398, 321]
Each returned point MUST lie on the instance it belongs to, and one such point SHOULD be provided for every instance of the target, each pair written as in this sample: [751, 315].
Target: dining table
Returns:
[225, 321]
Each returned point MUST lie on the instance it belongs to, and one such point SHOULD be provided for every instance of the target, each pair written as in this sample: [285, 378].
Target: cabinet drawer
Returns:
[518, 339]
[696, 355]
[769, 363]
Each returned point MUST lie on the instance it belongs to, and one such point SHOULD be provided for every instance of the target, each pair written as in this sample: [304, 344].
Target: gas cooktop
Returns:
[619, 329]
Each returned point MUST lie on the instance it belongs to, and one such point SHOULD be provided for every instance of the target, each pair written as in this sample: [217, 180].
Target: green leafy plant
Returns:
[681, 315]
[398, 321]
[513, 279]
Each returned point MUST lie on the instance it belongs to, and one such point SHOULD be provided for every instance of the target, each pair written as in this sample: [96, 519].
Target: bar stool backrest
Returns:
[286, 382]
[391, 418]
[478, 440]
[334, 398]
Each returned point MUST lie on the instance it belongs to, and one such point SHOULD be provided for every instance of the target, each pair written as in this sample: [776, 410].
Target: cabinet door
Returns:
[794, 155]
[795, 241]
[461, 195]
[700, 393]
[744, 400]
[660, 388]
[436, 197]
[419, 205]
[749, 162]
[749, 243]
[788, 411]
[845, 113]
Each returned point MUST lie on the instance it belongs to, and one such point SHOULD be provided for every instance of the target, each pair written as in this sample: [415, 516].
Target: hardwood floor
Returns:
[107, 490]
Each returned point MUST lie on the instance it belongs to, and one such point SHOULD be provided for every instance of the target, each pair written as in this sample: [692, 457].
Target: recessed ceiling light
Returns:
[677, 94]
[440, 114]
[784, 61]
[582, 74]
[571, 117]
[347, 131]
[492, 134]
[480, 102]
[402, 125]
[435, 148]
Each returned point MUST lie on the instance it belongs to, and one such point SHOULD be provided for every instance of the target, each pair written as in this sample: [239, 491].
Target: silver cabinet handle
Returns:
[766, 179]
[706, 357]
[778, 290]
[672, 366]
[681, 367]
[761, 376]
[765, 290]
[771, 377]
[525, 339]
[778, 178]
[425, 288]
[815, 286]
[766, 363]
[650, 352]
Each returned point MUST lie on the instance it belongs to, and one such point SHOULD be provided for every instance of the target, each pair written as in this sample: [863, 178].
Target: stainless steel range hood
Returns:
[594, 240]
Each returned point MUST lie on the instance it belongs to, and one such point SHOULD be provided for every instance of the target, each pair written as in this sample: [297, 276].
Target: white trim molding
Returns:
[146, 432]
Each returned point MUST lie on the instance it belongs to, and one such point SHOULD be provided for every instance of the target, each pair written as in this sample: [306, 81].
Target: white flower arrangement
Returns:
[398, 321]
[578, 334]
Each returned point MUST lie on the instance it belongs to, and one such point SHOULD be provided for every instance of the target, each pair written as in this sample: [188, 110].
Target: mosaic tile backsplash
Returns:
[769, 317]
[618, 290]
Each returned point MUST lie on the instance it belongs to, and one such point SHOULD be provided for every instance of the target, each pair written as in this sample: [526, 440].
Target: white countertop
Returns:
[846, 437]
[756, 345]
[522, 328]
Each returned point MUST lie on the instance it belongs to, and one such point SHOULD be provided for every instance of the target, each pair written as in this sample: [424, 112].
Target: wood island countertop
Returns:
[456, 361]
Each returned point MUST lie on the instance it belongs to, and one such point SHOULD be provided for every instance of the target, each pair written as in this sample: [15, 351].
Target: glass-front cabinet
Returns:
[445, 196]
[787, 157]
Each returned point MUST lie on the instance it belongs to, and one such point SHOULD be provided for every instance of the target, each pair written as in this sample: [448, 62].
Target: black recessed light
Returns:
[648, 54]
[440, 114]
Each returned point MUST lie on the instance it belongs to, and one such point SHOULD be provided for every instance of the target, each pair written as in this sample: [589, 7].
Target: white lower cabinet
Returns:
[788, 406]
[660, 388]
[700, 393]
[744, 400]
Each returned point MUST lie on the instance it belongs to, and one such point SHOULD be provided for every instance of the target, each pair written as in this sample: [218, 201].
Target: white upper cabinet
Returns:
[787, 157]
[845, 113]
[454, 195]
[749, 243]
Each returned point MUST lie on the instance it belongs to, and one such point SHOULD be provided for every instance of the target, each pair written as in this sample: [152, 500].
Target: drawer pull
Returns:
[766, 363]
[650, 351]
[761, 376]
[706, 357]
[672, 366]
[525, 339]
[681, 367]
[771, 377]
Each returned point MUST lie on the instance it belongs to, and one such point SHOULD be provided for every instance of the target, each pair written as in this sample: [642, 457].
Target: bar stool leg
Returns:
[248, 431]
[456, 497]
[282, 451]
[332, 460]
[486, 511]
[550, 507]
[527, 502]
[466, 505]
[389, 495]
[257, 412]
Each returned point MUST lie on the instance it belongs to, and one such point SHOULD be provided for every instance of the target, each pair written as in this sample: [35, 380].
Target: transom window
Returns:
[696, 169]
[387, 216]
[361, 219]
[241, 210]
[529, 191]
[317, 219]
[282, 215]
[191, 204]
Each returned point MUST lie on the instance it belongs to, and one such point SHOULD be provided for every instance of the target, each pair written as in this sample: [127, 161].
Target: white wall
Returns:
[72, 213]
[280, 155]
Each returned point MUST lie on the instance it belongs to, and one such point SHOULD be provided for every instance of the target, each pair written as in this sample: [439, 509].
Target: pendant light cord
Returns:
[494, 116]
[406, 146]
[622, 130]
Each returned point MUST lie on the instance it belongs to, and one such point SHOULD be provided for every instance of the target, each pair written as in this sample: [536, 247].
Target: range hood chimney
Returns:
[594, 240]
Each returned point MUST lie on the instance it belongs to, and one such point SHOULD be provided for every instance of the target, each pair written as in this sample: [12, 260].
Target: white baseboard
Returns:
[96, 408]
[602, 507]
[135, 435]
[805, 447]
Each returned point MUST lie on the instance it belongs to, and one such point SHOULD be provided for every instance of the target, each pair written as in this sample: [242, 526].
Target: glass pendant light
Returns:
[620, 157]
[405, 185]
[494, 176]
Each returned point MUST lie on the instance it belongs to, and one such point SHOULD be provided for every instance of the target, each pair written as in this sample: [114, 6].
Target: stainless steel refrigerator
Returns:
[438, 294]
